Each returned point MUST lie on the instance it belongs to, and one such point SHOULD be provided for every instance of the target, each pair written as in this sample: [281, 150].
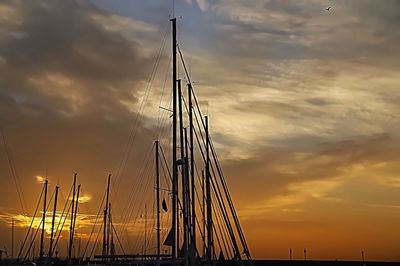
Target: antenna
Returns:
[173, 8]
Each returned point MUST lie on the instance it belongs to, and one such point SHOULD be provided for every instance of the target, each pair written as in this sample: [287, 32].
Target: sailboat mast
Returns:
[204, 211]
[112, 246]
[71, 228]
[208, 195]
[75, 214]
[183, 168]
[174, 155]
[193, 215]
[53, 220]
[145, 229]
[187, 190]
[105, 247]
[109, 230]
[12, 237]
[43, 220]
[158, 202]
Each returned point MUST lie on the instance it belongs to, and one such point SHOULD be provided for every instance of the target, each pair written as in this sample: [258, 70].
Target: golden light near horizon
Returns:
[40, 179]
[61, 223]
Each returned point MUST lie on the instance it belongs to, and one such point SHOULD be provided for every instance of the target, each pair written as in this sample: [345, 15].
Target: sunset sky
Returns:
[304, 107]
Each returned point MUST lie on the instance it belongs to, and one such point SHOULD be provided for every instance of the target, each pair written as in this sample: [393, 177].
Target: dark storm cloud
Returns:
[69, 86]
[51, 43]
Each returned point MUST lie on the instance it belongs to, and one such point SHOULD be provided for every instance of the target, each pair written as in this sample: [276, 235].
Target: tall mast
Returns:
[183, 168]
[158, 202]
[75, 214]
[193, 215]
[105, 244]
[43, 220]
[187, 190]
[145, 229]
[109, 229]
[12, 237]
[71, 228]
[208, 195]
[174, 156]
[112, 246]
[204, 211]
[52, 221]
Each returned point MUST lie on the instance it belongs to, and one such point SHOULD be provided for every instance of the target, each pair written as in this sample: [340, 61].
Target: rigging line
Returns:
[65, 206]
[13, 171]
[94, 225]
[214, 208]
[133, 196]
[30, 226]
[134, 184]
[230, 202]
[227, 221]
[221, 232]
[95, 242]
[198, 178]
[166, 180]
[162, 93]
[224, 232]
[179, 203]
[225, 187]
[164, 174]
[165, 136]
[186, 109]
[37, 230]
[119, 242]
[146, 185]
[134, 131]
[34, 238]
[62, 226]
[202, 211]
[149, 86]
[61, 218]
[183, 63]
[237, 223]
[215, 235]
[165, 161]
[241, 235]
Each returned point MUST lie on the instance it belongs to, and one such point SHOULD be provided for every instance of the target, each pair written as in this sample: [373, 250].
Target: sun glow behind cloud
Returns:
[83, 221]
[40, 179]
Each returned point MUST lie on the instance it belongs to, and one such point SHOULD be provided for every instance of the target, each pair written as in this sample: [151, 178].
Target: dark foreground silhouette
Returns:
[234, 263]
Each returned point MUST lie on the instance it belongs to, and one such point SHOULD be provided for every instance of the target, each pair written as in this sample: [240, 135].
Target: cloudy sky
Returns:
[304, 109]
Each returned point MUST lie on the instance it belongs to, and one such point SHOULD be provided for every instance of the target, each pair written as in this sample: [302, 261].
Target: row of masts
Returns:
[108, 248]
[54, 238]
[214, 185]
[183, 181]
[188, 186]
